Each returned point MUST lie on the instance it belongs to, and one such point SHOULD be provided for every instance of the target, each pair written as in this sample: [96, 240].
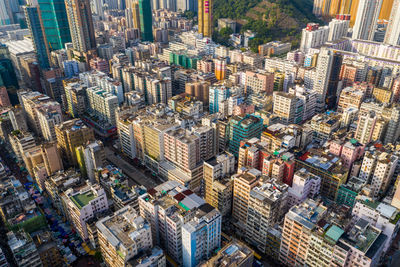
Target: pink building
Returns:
[4, 99]
[99, 64]
[396, 90]
[205, 65]
[243, 109]
[260, 81]
[348, 151]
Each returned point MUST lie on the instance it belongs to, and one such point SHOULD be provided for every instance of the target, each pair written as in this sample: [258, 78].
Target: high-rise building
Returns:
[259, 82]
[23, 249]
[313, 36]
[49, 116]
[366, 131]
[267, 206]
[146, 20]
[299, 222]
[205, 17]
[83, 205]
[132, 14]
[338, 27]
[103, 104]
[288, 108]
[8, 77]
[167, 207]
[35, 24]
[158, 90]
[321, 79]
[305, 185]
[218, 185]
[122, 236]
[243, 183]
[392, 35]
[367, 18]
[70, 135]
[42, 161]
[217, 94]
[201, 235]
[241, 128]
[81, 24]
[42, 113]
[6, 17]
[220, 68]
[95, 158]
[21, 142]
[198, 89]
[75, 93]
[55, 23]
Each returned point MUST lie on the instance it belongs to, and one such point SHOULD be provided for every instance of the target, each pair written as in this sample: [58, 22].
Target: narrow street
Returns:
[135, 174]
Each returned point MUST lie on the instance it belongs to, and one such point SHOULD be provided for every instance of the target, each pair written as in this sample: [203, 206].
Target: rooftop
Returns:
[82, 199]
[122, 227]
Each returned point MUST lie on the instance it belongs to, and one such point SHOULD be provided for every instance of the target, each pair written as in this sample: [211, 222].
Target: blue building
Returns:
[201, 236]
[71, 68]
[217, 94]
[55, 23]
[35, 25]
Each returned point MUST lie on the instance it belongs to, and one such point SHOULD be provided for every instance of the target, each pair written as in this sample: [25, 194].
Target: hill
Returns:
[270, 19]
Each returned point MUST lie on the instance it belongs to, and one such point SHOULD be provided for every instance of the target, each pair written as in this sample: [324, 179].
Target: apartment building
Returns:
[201, 236]
[218, 185]
[167, 207]
[83, 205]
[70, 135]
[122, 236]
[267, 207]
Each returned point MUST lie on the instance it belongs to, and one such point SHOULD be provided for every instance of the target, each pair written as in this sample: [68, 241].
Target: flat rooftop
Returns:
[81, 200]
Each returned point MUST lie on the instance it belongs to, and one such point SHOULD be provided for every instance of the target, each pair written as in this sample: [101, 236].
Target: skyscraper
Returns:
[366, 20]
[81, 24]
[392, 36]
[205, 17]
[146, 20]
[55, 23]
[35, 25]
[5, 14]
[132, 14]
[321, 79]
[8, 78]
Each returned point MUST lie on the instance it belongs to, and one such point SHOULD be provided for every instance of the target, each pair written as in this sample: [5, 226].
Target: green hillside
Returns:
[271, 19]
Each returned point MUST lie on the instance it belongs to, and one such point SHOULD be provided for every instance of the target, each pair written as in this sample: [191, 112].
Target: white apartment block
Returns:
[103, 104]
[313, 36]
[305, 185]
[83, 205]
[102, 80]
[380, 215]
[167, 207]
[366, 20]
[122, 236]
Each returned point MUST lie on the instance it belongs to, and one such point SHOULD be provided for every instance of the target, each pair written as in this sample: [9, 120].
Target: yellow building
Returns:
[205, 17]
[243, 183]
[70, 135]
[383, 95]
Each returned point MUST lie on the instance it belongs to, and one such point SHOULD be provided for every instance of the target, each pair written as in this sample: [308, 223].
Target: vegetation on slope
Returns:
[270, 19]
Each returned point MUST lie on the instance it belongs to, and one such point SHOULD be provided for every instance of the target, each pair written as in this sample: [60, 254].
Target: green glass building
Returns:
[183, 60]
[8, 78]
[55, 23]
[241, 128]
[146, 20]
